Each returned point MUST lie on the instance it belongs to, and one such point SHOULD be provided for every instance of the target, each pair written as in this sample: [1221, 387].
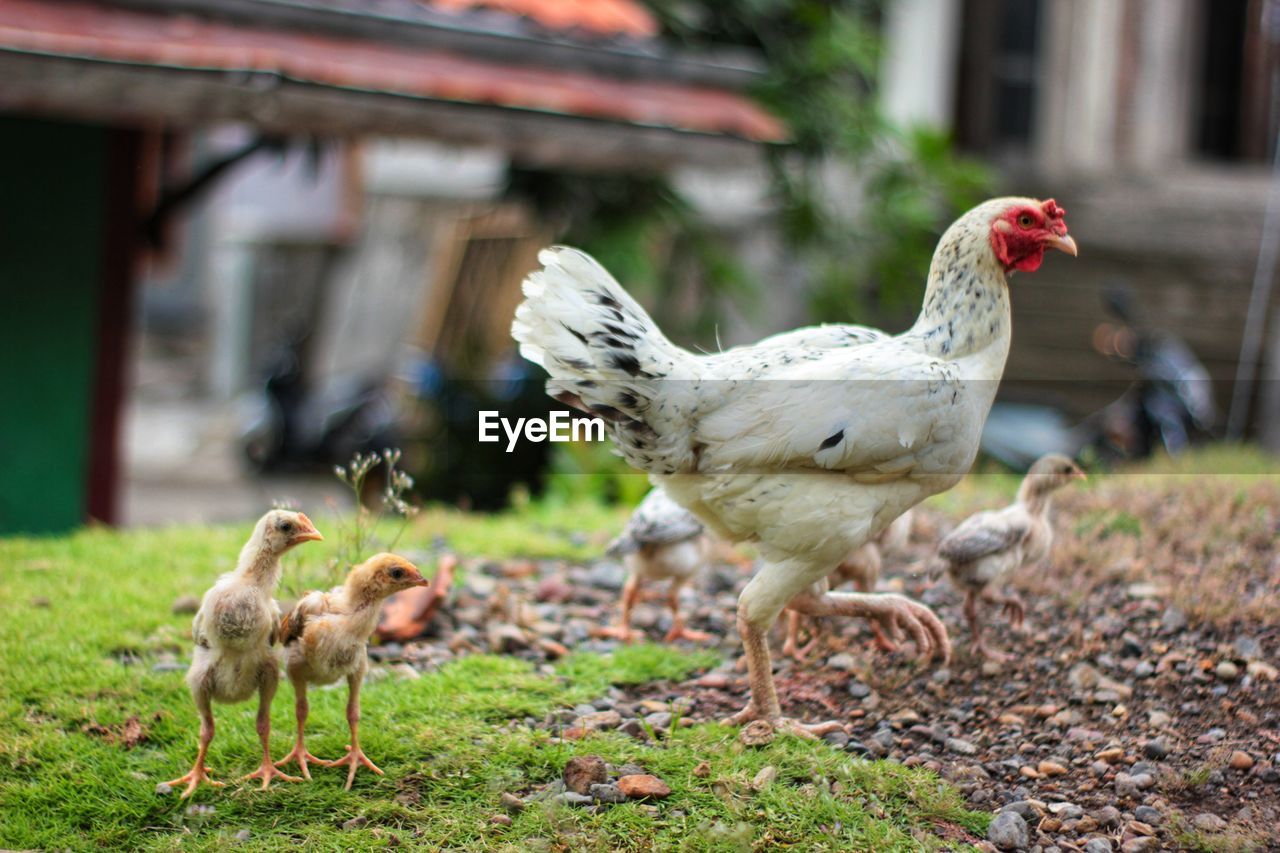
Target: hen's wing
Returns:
[294, 623]
[658, 520]
[866, 409]
[985, 534]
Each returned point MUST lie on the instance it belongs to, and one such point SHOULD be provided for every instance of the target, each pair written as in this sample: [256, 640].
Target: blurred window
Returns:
[999, 74]
[1236, 115]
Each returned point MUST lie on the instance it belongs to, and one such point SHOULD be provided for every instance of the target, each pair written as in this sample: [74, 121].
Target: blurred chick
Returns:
[662, 540]
[325, 637]
[235, 631]
[862, 569]
[987, 548]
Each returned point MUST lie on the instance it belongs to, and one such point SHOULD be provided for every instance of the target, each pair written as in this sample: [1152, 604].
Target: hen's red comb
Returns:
[1052, 210]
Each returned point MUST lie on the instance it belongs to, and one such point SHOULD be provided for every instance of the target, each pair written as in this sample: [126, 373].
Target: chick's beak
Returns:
[418, 580]
[1063, 243]
[1079, 475]
[308, 532]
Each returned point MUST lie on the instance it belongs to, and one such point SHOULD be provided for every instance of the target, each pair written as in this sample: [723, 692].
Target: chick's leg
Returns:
[678, 630]
[622, 629]
[978, 646]
[879, 639]
[199, 773]
[299, 753]
[355, 755]
[266, 692]
[791, 645]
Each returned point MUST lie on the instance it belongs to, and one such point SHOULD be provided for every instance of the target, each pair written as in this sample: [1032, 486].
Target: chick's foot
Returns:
[300, 754]
[267, 772]
[781, 725]
[192, 780]
[355, 757]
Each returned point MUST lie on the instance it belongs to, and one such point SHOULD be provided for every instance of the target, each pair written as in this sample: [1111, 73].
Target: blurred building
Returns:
[1151, 122]
[244, 156]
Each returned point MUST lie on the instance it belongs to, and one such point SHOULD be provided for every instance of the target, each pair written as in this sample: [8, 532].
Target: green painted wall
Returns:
[52, 206]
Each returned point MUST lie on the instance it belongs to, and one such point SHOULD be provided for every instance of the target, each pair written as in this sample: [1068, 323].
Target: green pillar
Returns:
[53, 208]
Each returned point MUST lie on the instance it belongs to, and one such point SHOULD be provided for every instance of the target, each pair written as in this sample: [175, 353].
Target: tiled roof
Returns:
[604, 17]
[89, 31]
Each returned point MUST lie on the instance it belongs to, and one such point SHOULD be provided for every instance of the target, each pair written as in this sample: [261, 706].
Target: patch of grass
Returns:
[1234, 839]
[84, 618]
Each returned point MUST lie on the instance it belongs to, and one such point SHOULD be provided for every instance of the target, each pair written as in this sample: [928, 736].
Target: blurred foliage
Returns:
[869, 252]
[649, 237]
[584, 471]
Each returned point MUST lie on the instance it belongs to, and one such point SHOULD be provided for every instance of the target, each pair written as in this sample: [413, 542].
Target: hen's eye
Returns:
[1026, 221]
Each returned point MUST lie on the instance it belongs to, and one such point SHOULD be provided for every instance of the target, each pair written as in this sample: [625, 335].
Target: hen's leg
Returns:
[758, 609]
[355, 755]
[299, 753]
[266, 692]
[199, 773]
[678, 630]
[622, 630]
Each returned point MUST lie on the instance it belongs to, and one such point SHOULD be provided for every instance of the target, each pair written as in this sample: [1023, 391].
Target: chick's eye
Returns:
[397, 574]
[286, 526]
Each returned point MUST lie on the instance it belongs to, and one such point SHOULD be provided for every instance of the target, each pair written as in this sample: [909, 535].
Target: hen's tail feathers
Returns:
[605, 356]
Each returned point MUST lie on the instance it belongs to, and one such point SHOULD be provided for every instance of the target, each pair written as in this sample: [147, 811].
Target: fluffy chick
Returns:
[325, 638]
[662, 541]
[862, 569]
[235, 631]
[987, 548]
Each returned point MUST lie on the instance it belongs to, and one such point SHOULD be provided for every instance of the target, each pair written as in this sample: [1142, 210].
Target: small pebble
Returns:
[1241, 760]
[1008, 831]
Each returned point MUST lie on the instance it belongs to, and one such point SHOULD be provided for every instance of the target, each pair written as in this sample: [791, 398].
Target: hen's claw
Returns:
[901, 616]
[355, 757]
[267, 772]
[192, 780]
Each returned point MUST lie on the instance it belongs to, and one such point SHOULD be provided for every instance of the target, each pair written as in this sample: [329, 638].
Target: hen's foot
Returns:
[355, 757]
[682, 633]
[299, 754]
[192, 780]
[619, 632]
[267, 772]
[782, 725]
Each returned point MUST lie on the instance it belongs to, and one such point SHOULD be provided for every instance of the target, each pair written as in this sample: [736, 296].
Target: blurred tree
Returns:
[871, 251]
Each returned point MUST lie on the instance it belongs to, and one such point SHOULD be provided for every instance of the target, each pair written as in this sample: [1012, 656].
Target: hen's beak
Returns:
[308, 533]
[1063, 244]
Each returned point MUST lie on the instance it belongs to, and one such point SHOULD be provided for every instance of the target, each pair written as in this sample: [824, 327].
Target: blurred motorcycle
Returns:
[290, 426]
[1169, 405]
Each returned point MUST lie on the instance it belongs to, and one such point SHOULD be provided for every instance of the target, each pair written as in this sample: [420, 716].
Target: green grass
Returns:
[72, 609]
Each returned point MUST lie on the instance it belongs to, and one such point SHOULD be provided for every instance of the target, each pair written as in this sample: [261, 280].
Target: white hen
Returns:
[811, 442]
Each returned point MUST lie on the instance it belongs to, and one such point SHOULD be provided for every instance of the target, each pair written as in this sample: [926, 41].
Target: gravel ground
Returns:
[1122, 724]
